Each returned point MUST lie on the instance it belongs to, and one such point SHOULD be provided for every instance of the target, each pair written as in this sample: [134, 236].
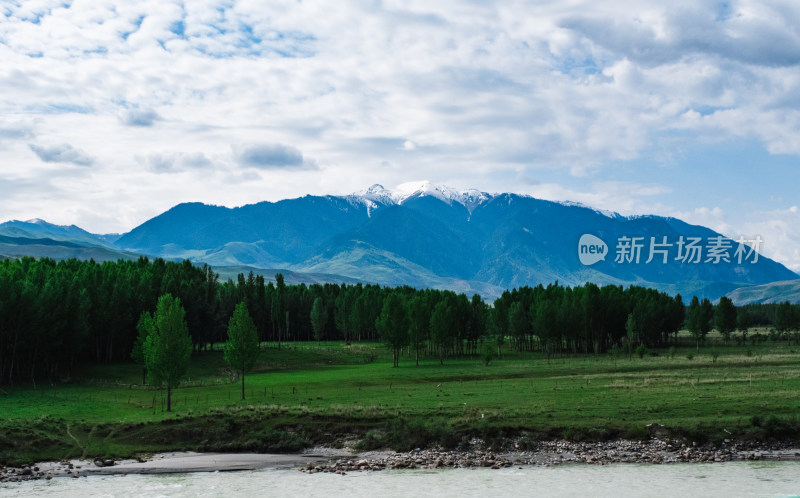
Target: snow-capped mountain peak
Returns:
[378, 194]
[604, 212]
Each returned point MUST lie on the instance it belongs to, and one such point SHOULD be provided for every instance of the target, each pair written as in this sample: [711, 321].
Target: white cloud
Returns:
[779, 229]
[289, 98]
[175, 162]
[61, 153]
[139, 117]
[714, 218]
[272, 156]
[626, 198]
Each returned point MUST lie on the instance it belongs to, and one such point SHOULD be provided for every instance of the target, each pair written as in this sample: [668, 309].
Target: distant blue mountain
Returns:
[432, 236]
[775, 292]
[41, 239]
[40, 229]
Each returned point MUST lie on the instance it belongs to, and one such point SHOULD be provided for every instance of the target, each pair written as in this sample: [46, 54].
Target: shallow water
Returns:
[743, 479]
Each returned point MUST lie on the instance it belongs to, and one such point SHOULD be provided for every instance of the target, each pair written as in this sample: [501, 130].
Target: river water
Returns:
[741, 479]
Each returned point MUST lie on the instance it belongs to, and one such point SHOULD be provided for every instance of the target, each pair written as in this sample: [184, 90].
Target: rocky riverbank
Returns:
[541, 453]
[547, 453]
[49, 470]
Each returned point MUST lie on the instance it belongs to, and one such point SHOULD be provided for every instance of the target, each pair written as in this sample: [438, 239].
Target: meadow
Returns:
[306, 394]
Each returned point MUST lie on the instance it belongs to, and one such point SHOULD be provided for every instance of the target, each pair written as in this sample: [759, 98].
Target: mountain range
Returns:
[774, 292]
[426, 235]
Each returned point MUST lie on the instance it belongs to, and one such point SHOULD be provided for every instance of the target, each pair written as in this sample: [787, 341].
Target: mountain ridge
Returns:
[773, 292]
[428, 235]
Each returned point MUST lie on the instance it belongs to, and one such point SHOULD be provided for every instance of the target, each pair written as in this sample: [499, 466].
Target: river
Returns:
[741, 479]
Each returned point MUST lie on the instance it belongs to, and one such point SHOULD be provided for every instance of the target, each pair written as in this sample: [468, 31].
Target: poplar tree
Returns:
[725, 317]
[319, 318]
[241, 350]
[392, 325]
[167, 347]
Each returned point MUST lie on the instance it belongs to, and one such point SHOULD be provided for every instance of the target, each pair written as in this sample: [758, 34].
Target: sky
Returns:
[113, 112]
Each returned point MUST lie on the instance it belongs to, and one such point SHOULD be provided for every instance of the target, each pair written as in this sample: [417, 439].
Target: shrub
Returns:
[642, 350]
[402, 434]
[690, 356]
[488, 356]
[372, 440]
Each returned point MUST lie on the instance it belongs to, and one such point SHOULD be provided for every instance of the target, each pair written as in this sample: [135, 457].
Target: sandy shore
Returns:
[171, 463]
[208, 462]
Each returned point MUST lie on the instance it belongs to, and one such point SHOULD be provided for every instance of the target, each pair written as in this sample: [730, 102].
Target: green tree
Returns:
[241, 350]
[630, 334]
[696, 321]
[494, 326]
[544, 320]
[784, 317]
[319, 318]
[743, 322]
[676, 316]
[518, 324]
[700, 318]
[343, 307]
[725, 317]
[706, 317]
[476, 323]
[168, 347]
[392, 325]
[279, 311]
[419, 321]
[143, 328]
[443, 324]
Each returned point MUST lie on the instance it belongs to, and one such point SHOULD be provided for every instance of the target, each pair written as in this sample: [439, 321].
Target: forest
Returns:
[57, 315]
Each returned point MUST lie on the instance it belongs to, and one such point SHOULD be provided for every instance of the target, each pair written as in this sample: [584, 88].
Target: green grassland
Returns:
[307, 394]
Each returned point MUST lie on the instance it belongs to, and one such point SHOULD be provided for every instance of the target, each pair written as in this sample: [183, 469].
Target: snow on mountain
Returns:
[379, 195]
[416, 233]
[372, 198]
[604, 212]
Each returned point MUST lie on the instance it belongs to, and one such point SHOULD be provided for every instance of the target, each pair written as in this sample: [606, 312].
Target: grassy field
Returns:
[306, 393]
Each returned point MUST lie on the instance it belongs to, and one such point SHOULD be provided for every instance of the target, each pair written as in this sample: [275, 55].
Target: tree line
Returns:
[56, 315]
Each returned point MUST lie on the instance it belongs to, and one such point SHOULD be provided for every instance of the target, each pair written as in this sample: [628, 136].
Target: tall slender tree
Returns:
[443, 325]
[168, 346]
[630, 334]
[319, 318]
[392, 325]
[419, 323]
[279, 307]
[743, 322]
[518, 324]
[725, 317]
[344, 310]
[693, 320]
[784, 317]
[143, 328]
[241, 351]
